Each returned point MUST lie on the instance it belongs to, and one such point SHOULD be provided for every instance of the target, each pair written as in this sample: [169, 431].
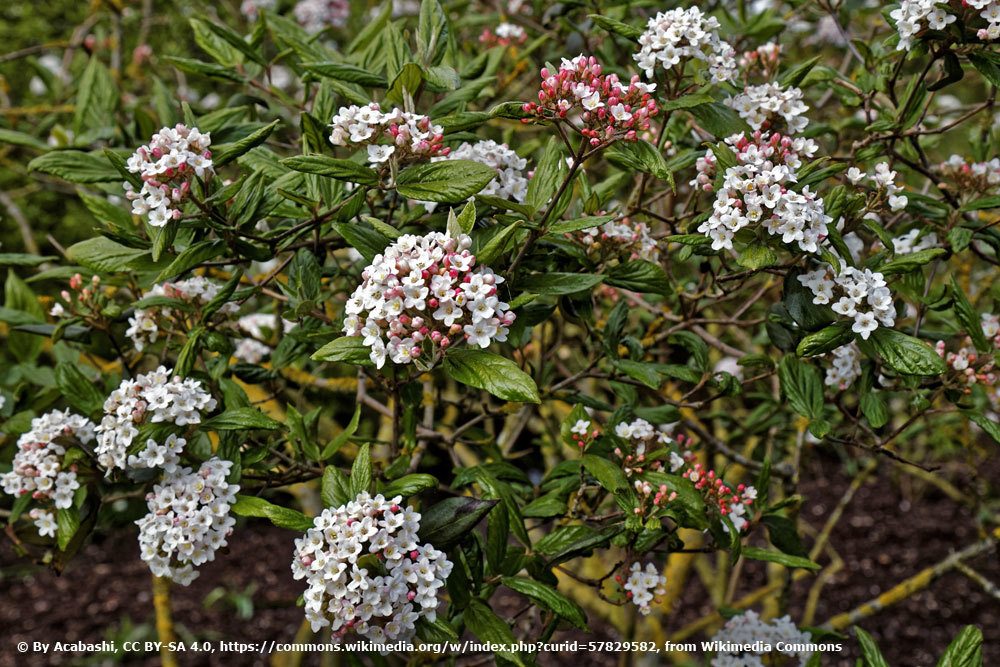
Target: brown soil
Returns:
[886, 535]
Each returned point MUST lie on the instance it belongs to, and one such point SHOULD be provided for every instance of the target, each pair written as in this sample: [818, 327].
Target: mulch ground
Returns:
[889, 532]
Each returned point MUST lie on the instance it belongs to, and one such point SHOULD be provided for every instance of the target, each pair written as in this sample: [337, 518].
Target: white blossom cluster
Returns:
[188, 520]
[681, 34]
[317, 15]
[641, 434]
[981, 176]
[410, 136]
[152, 398]
[624, 235]
[167, 165]
[510, 181]
[854, 293]
[251, 351]
[748, 628]
[912, 242]
[846, 366]
[256, 323]
[884, 179]
[914, 16]
[144, 327]
[761, 104]
[757, 190]
[37, 468]
[642, 585]
[425, 292]
[367, 572]
[252, 8]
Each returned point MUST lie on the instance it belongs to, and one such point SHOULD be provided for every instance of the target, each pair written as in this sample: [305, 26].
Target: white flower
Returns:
[379, 154]
[683, 34]
[251, 351]
[846, 367]
[748, 630]
[408, 136]
[188, 520]
[581, 427]
[643, 585]
[766, 102]
[861, 295]
[316, 15]
[381, 605]
[144, 324]
[167, 165]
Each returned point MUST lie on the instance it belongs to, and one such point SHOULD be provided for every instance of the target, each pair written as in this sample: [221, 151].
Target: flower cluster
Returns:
[640, 435]
[151, 398]
[144, 325]
[678, 35]
[256, 323]
[251, 351]
[188, 520]
[317, 15]
[846, 367]
[760, 105]
[757, 190]
[884, 180]
[764, 58]
[642, 585]
[167, 165]
[510, 181]
[609, 109]
[252, 8]
[409, 136]
[582, 434]
[972, 176]
[423, 292]
[622, 237]
[732, 504]
[855, 293]
[366, 571]
[749, 629]
[505, 34]
[972, 367]
[37, 468]
[914, 16]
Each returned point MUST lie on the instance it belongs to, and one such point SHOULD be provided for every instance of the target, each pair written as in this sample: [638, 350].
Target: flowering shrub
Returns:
[520, 321]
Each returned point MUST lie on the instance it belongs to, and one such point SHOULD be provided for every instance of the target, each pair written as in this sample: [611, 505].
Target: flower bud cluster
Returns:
[676, 36]
[37, 468]
[152, 398]
[760, 105]
[643, 585]
[398, 134]
[144, 325]
[167, 166]
[971, 367]
[608, 109]
[757, 191]
[978, 177]
[734, 504]
[748, 629]
[366, 571]
[846, 367]
[623, 237]
[188, 520]
[765, 59]
[422, 295]
[316, 15]
[582, 434]
[855, 293]
[505, 34]
[79, 298]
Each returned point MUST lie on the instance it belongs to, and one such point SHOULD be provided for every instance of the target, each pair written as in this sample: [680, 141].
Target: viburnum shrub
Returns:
[519, 317]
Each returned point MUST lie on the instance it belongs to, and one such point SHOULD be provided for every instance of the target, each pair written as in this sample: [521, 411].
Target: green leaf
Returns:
[67, 523]
[825, 340]
[870, 653]
[78, 389]
[102, 255]
[348, 73]
[210, 70]
[567, 226]
[801, 385]
[719, 120]
[612, 478]
[969, 318]
[226, 153]
[549, 598]
[445, 181]
[497, 244]
[14, 138]
[410, 485]
[237, 42]
[19, 297]
[282, 517]
[488, 627]
[346, 349]
[874, 408]
[567, 542]
[336, 488]
[905, 354]
[640, 275]
[616, 27]
[640, 156]
[361, 471]
[966, 650]
[549, 173]
[638, 370]
[342, 170]
[988, 64]
[432, 32]
[498, 375]
[911, 262]
[240, 419]
[192, 256]
[367, 241]
[557, 284]
[96, 98]
[447, 522]
[990, 426]
[757, 256]
[755, 553]
[75, 167]
[794, 76]
[23, 259]
[686, 102]
[344, 436]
